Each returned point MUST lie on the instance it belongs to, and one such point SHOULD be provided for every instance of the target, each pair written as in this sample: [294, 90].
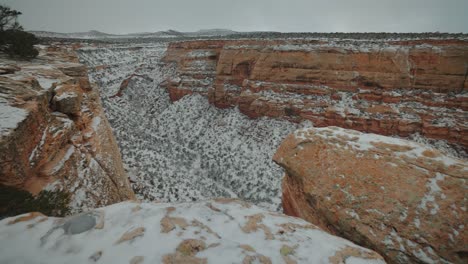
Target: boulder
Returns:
[402, 199]
[68, 101]
[73, 69]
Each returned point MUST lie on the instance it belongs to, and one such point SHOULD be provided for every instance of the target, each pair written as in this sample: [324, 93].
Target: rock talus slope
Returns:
[384, 87]
[54, 134]
[404, 200]
[217, 231]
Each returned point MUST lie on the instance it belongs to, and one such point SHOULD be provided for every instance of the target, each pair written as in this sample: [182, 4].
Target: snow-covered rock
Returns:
[48, 137]
[217, 231]
[405, 200]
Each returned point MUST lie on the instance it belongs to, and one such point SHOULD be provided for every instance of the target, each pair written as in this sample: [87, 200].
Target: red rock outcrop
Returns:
[401, 199]
[54, 134]
[383, 87]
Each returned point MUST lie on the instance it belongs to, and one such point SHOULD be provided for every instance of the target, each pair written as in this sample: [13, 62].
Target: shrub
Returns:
[19, 44]
[13, 40]
[14, 202]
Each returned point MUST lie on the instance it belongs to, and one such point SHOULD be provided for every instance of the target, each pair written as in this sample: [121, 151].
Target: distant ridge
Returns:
[215, 32]
[227, 33]
[94, 34]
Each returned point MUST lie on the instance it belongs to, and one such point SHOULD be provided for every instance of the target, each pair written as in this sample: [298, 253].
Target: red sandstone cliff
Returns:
[384, 87]
[54, 133]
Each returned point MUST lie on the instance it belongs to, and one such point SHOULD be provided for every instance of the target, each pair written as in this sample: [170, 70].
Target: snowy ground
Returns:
[189, 150]
[219, 231]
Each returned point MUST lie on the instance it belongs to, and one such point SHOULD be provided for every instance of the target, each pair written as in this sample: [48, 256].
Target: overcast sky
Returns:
[126, 16]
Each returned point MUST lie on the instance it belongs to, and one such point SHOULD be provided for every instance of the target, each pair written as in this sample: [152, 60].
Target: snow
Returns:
[10, 117]
[65, 96]
[65, 158]
[423, 256]
[46, 83]
[38, 146]
[219, 225]
[367, 141]
[95, 123]
[188, 150]
[430, 196]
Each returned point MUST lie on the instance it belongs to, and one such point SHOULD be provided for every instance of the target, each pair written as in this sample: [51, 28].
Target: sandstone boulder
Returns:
[73, 69]
[68, 101]
[404, 200]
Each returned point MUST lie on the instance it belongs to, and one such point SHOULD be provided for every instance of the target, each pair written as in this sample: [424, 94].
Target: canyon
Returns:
[202, 119]
[412, 89]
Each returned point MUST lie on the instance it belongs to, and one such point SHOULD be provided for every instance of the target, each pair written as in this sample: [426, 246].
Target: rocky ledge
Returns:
[404, 200]
[219, 231]
[54, 134]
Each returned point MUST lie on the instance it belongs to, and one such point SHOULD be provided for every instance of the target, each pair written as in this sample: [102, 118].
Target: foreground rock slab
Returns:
[218, 231]
[406, 201]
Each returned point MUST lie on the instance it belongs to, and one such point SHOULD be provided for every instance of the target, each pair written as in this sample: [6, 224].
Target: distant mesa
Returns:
[216, 32]
[95, 34]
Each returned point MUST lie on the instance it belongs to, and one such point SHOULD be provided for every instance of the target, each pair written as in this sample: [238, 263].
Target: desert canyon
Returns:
[239, 150]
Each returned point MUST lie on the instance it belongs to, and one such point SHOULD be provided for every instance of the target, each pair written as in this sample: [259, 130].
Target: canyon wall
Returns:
[54, 134]
[384, 87]
[402, 199]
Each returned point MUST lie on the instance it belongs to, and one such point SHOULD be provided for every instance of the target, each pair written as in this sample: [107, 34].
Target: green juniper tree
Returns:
[13, 40]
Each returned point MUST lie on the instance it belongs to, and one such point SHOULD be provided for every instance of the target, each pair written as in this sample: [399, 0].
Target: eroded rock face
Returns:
[406, 201]
[54, 134]
[383, 87]
[216, 231]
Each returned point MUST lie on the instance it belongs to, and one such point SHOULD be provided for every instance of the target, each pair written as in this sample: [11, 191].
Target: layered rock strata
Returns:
[404, 200]
[384, 87]
[219, 231]
[54, 134]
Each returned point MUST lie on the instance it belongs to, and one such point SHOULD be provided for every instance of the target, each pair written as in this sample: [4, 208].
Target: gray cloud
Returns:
[125, 16]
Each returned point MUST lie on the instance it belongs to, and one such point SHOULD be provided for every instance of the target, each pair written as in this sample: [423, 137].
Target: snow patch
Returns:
[10, 117]
[95, 123]
[65, 158]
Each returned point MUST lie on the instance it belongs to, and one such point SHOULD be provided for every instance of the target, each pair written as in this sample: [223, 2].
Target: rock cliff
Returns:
[54, 134]
[219, 231]
[384, 87]
[402, 199]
